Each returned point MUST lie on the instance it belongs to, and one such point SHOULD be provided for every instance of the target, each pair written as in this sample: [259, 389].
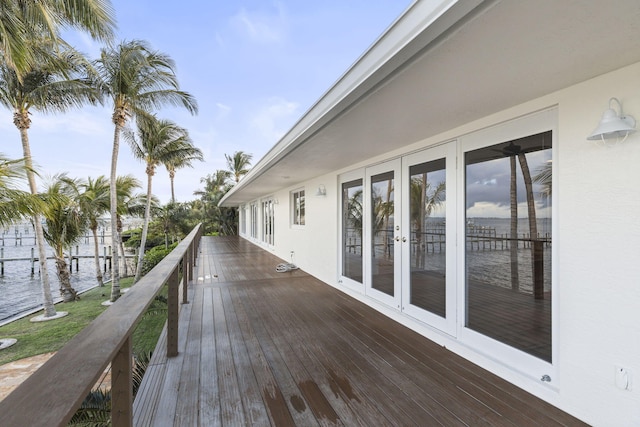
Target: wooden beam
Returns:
[121, 386]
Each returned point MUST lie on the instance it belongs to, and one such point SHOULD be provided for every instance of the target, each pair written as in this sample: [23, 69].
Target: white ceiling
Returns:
[465, 65]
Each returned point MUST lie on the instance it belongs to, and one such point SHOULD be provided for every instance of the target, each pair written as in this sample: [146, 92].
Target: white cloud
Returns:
[88, 121]
[495, 210]
[274, 119]
[262, 27]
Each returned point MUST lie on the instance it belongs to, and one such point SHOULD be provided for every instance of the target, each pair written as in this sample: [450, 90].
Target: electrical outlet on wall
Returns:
[623, 378]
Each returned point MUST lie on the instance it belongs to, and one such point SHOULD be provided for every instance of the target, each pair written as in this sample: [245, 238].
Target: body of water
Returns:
[21, 292]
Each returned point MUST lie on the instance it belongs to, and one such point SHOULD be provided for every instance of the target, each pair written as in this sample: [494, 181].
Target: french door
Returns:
[384, 233]
[409, 244]
[429, 255]
[460, 237]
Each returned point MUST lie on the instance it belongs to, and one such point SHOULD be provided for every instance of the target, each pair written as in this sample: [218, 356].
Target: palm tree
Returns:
[544, 178]
[14, 202]
[215, 186]
[513, 230]
[159, 142]
[20, 20]
[424, 199]
[65, 226]
[45, 87]
[93, 197]
[238, 164]
[137, 80]
[179, 163]
[129, 204]
[172, 219]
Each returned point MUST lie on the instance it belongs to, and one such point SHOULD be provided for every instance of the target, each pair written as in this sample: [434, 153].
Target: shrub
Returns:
[154, 255]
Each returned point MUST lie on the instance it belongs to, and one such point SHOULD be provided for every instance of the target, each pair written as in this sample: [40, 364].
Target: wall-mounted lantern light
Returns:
[613, 124]
[322, 191]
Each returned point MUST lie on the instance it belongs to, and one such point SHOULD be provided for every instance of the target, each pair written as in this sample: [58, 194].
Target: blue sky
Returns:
[255, 68]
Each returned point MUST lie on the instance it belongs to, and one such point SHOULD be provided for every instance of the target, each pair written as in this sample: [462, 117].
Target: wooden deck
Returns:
[267, 348]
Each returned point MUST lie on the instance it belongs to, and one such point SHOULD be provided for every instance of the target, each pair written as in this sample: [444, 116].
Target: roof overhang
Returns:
[440, 65]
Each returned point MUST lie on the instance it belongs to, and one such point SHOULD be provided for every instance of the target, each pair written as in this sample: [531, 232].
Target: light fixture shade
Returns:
[613, 125]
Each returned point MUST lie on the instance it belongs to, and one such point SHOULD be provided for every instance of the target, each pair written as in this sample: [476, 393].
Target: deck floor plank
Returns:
[315, 389]
[209, 403]
[168, 398]
[230, 399]
[298, 406]
[259, 347]
[254, 408]
[273, 398]
[347, 342]
[190, 375]
[335, 371]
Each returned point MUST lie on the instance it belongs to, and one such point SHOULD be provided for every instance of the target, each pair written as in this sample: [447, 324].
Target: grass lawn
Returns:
[45, 337]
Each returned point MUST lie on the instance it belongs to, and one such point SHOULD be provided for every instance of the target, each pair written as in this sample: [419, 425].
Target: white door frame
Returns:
[446, 324]
[390, 300]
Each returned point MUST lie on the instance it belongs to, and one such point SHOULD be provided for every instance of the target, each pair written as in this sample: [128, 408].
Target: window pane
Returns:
[382, 219]
[301, 200]
[267, 221]
[427, 199]
[297, 201]
[352, 230]
[508, 243]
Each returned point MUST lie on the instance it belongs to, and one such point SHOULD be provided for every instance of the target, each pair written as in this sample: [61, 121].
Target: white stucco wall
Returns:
[597, 262]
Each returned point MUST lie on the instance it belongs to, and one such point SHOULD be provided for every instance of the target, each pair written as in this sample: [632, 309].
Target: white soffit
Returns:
[444, 64]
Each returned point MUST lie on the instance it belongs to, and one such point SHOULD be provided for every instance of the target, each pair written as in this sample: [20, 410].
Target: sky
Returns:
[255, 67]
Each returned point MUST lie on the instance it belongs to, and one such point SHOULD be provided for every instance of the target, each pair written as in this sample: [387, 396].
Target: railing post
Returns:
[184, 267]
[194, 254]
[172, 315]
[122, 386]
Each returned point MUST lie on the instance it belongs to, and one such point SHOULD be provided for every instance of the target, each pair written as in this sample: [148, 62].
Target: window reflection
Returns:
[508, 243]
[382, 223]
[427, 195]
[352, 230]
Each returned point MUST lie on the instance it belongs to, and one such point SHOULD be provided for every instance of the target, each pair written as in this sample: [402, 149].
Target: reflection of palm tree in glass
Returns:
[515, 150]
[543, 177]
[424, 199]
[354, 212]
[513, 247]
[382, 211]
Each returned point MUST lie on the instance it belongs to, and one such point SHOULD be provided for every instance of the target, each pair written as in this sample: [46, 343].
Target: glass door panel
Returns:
[429, 255]
[508, 243]
[382, 231]
[352, 228]
[428, 249]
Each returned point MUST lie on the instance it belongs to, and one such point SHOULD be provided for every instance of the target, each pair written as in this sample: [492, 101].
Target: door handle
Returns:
[404, 239]
[397, 238]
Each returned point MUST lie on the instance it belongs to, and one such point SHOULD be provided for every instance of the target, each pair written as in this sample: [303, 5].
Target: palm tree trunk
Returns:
[96, 255]
[66, 290]
[47, 297]
[537, 277]
[113, 197]
[145, 225]
[515, 280]
[172, 176]
[388, 240]
[125, 268]
[421, 217]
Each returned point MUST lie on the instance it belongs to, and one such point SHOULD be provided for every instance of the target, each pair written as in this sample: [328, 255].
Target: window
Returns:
[508, 243]
[352, 230]
[254, 220]
[267, 221]
[298, 207]
[243, 219]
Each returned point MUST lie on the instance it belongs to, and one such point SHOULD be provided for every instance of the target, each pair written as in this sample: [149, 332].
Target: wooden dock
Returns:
[262, 348]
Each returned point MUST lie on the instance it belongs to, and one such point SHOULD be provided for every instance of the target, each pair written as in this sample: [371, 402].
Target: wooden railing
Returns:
[52, 394]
